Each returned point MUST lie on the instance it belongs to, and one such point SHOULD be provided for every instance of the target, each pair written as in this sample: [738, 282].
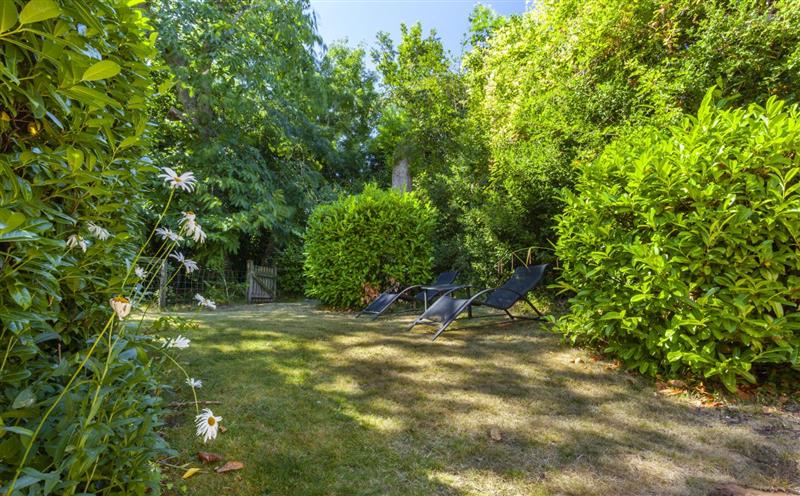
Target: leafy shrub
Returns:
[365, 243]
[553, 86]
[72, 114]
[290, 269]
[681, 245]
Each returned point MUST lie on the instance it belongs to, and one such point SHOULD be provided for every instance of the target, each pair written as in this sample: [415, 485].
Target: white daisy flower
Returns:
[98, 232]
[121, 305]
[179, 342]
[165, 233]
[205, 302]
[189, 265]
[140, 272]
[75, 240]
[195, 383]
[207, 424]
[190, 227]
[185, 181]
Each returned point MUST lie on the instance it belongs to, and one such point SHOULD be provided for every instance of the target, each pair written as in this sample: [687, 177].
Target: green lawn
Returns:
[318, 403]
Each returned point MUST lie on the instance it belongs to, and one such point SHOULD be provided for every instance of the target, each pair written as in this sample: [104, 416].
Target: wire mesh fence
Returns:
[166, 284]
[222, 286]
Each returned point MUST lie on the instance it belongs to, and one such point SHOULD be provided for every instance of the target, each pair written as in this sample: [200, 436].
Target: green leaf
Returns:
[10, 220]
[24, 399]
[21, 296]
[17, 430]
[38, 10]
[8, 15]
[90, 96]
[101, 70]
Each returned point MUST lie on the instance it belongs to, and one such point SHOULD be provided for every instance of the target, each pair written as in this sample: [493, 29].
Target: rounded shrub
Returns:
[681, 246]
[362, 244]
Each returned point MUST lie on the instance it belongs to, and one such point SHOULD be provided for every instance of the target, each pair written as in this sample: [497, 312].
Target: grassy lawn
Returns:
[318, 403]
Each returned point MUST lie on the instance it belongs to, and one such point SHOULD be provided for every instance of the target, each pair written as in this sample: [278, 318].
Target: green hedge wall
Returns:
[365, 243]
[75, 78]
[681, 246]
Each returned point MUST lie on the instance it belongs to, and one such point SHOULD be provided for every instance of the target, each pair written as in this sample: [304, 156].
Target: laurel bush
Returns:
[73, 118]
[362, 244]
[681, 246]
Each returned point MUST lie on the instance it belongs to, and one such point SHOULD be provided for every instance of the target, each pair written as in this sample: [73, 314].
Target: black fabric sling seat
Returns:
[446, 309]
[385, 300]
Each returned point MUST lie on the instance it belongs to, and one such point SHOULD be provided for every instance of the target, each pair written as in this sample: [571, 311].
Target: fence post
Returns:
[250, 270]
[162, 287]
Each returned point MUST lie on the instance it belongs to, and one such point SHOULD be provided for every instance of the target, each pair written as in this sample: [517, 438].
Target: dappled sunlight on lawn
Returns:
[323, 403]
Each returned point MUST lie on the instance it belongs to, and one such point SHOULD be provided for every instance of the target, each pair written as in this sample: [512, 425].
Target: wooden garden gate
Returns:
[262, 283]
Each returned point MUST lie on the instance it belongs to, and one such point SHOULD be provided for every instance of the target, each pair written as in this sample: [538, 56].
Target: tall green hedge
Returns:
[74, 77]
[681, 246]
[365, 243]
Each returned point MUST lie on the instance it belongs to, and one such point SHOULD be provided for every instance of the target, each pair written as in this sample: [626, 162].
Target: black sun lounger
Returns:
[446, 309]
[382, 303]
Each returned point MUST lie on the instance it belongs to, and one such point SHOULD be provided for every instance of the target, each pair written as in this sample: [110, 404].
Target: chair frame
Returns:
[473, 301]
[399, 295]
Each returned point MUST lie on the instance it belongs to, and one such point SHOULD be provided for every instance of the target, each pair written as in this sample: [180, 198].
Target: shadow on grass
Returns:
[321, 403]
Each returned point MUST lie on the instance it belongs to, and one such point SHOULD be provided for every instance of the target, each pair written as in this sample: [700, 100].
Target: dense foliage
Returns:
[681, 245]
[365, 243]
[73, 117]
[541, 94]
[679, 241]
[271, 126]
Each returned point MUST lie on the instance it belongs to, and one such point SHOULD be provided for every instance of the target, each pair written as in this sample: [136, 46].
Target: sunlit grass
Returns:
[318, 403]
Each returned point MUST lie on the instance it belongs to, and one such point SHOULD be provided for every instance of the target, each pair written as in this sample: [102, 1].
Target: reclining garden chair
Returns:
[447, 308]
[385, 300]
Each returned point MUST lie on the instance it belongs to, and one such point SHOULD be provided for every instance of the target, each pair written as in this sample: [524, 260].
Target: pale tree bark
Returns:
[401, 176]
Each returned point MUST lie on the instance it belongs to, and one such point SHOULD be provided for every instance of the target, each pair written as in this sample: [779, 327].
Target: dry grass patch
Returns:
[320, 403]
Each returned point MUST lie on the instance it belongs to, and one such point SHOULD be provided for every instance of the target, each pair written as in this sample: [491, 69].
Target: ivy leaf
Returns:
[101, 70]
[38, 10]
[8, 15]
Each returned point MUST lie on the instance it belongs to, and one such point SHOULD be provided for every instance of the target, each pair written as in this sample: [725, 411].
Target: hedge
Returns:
[681, 246]
[363, 244]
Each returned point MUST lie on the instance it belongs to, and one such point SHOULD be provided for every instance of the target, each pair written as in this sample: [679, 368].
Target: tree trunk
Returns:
[401, 176]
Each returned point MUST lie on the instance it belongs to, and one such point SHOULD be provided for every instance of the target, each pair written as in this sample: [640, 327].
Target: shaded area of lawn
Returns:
[318, 403]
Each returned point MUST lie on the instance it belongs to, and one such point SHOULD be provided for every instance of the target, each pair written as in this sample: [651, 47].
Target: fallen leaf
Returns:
[579, 360]
[190, 472]
[230, 467]
[495, 434]
[671, 391]
[207, 457]
[223, 429]
[677, 384]
[711, 403]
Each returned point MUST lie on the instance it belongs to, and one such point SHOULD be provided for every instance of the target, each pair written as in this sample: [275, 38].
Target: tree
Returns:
[424, 101]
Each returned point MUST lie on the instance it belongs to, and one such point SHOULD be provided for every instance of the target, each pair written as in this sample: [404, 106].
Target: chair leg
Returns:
[442, 328]
[534, 308]
[509, 315]
[411, 326]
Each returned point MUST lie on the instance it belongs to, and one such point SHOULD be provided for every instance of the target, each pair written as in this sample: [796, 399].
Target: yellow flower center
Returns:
[212, 421]
[121, 299]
